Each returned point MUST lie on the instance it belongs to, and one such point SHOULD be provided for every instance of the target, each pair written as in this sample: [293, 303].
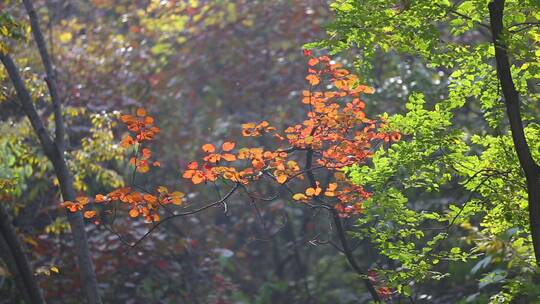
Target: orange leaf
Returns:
[324, 58]
[100, 198]
[330, 193]
[141, 112]
[369, 90]
[313, 61]
[143, 168]
[126, 118]
[281, 178]
[176, 197]
[89, 214]
[127, 141]
[148, 120]
[213, 158]
[83, 200]
[146, 153]
[134, 212]
[313, 79]
[257, 164]
[228, 157]
[209, 148]
[313, 191]
[364, 89]
[192, 165]
[197, 179]
[188, 174]
[228, 146]
[150, 198]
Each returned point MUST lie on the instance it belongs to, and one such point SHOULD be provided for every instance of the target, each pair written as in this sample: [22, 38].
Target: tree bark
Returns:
[13, 254]
[54, 150]
[49, 71]
[88, 276]
[82, 251]
[513, 111]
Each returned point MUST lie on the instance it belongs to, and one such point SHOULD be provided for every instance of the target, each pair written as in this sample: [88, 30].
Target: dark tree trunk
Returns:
[11, 251]
[511, 99]
[54, 150]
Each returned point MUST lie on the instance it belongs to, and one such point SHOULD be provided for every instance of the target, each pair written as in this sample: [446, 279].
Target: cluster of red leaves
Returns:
[142, 125]
[257, 161]
[143, 203]
[336, 132]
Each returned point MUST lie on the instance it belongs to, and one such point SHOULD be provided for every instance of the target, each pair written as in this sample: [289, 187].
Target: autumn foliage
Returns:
[335, 134]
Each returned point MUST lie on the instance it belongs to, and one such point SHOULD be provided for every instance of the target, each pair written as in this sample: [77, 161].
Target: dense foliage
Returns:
[458, 149]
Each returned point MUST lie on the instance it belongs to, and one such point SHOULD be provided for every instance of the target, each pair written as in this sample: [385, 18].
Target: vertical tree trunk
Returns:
[511, 99]
[11, 251]
[55, 152]
[87, 274]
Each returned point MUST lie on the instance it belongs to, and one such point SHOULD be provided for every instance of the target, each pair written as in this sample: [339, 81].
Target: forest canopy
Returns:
[250, 151]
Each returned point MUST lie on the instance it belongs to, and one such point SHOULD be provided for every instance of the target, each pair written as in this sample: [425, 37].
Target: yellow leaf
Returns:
[30, 241]
[299, 196]
[178, 194]
[65, 37]
[313, 191]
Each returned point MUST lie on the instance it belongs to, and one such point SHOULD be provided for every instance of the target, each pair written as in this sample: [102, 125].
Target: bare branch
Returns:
[50, 78]
[175, 215]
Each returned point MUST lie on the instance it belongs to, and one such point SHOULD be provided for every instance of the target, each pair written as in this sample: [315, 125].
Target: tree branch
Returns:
[175, 215]
[340, 230]
[50, 78]
[28, 106]
[349, 255]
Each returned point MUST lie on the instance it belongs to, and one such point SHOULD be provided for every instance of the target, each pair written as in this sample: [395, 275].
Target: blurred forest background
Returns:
[203, 68]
